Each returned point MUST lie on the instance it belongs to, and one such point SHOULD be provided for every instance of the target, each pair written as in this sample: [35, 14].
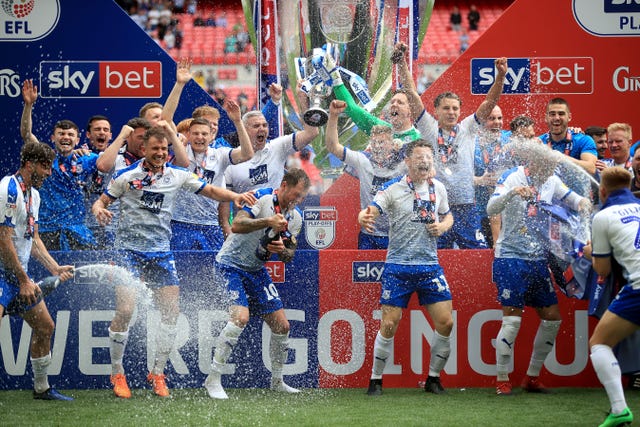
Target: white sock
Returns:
[381, 350]
[504, 345]
[227, 339]
[608, 371]
[40, 367]
[165, 339]
[278, 352]
[542, 345]
[440, 350]
[117, 344]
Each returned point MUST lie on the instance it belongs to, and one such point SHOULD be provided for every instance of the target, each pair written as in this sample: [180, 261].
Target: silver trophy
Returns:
[362, 34]
[337, 18]
[313, 71]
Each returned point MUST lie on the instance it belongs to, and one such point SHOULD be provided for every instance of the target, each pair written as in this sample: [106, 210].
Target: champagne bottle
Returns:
[269, 236]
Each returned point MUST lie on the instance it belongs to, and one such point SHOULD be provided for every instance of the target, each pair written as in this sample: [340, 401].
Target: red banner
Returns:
[349, 321]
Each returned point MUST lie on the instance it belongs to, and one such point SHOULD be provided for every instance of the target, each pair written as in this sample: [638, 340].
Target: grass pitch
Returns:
[314, 407]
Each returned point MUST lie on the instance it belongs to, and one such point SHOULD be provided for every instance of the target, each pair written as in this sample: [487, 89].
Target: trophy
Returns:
[302, 39]
[313, 71]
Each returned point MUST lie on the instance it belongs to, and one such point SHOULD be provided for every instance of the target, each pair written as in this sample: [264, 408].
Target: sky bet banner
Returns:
[582, 50]
[82, 66]
[331, 300]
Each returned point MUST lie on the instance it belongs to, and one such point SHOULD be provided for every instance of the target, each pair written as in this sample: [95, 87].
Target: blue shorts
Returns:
[156, 269]
[627, 304]
[400, 281]
[194, 237]
[9, 292]
[465, 232]
[523, 283]
[252, 289]
[369, 241]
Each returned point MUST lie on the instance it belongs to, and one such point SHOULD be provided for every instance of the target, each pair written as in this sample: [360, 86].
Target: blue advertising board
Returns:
[83, 308]
[86, 58]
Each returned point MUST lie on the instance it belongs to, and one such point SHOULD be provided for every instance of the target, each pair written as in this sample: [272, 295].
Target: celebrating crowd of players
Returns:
[427, 182]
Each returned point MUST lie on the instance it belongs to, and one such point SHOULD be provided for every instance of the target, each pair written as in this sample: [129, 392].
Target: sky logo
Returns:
[541, 76]
[621, 6]
[367, 271]
[100, 79]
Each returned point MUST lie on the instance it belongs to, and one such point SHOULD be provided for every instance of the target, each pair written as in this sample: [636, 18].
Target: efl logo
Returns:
[536, 76]
[23, 20]
[621, 6]
[367, 271]
[276, 271]
[100, 79]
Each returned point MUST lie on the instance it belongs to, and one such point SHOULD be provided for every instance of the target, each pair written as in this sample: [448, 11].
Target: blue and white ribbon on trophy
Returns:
[321, 74]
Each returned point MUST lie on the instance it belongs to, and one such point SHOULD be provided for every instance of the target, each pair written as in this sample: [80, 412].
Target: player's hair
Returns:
[36, 152]
[146, 107]
[408, 148]
[65, 124]
[294, 176]
[521, 121]
[624, 127]
[200, 121]
[250, 114]
[448, 95]
[205, 110]
[615, 179]
[595, 131]
[381, 130]
[557, 101]
[401, 90]
[184, 125]
[95, 119]
[157, 132]
[139, 122]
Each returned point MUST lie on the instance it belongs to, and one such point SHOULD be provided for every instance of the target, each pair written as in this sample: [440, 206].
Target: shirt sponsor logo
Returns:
[101, 79]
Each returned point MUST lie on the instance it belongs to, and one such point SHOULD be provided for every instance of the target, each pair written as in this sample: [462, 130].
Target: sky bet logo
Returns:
[367, 271]
[621, 6]
[100, 79]
[535, 75]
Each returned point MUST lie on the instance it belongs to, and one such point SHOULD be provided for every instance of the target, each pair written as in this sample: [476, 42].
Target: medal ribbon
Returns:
[532, 205]
[568, 145]
[432, 197]
[276, 207]
[447, 150]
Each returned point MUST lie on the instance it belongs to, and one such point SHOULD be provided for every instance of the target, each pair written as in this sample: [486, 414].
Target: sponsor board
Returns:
[101, 79]
[320, 226]
[608, 17]
[623, 79]
[28, 20]
[542, 76]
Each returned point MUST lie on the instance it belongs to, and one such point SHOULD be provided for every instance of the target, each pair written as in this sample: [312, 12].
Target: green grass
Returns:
[314, 407]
